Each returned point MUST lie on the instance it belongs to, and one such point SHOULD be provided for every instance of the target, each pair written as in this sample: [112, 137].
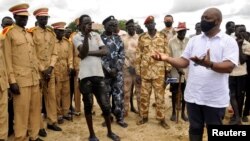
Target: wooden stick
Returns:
[179, 94]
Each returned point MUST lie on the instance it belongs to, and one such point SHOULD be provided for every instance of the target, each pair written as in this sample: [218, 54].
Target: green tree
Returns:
[121, 24]
[72, 26]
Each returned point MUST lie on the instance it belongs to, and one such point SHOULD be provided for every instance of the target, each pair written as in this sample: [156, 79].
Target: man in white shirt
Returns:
[210, 57]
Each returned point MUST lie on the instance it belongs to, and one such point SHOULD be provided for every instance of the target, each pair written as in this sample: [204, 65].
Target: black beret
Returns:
[108, 19]
[129, 21]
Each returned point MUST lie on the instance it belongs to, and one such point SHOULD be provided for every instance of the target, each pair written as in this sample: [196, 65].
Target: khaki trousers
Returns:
[4, 114]
[63, 97]
[27, 111]
[48, 90]
[159, 90]
[77, 94]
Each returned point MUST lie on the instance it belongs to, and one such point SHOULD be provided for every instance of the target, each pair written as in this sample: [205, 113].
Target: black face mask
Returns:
[168, 24]
[206, 26]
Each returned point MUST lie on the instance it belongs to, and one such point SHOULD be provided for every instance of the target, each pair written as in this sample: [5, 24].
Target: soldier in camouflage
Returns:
[154, 77]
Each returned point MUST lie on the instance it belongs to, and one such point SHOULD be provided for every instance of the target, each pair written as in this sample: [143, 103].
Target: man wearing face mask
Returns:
[22, 71]
[210, 57]
[44, 39]
[169, 30]
[153, 78]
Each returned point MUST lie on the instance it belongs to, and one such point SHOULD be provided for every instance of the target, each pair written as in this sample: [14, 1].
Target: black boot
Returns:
[195, 137]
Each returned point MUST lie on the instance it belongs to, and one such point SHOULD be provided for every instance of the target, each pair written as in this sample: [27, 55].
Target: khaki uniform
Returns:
[152, 72]
[47, 55]
[3, 95]
[170, 32]
[76, 62]
[130, 45]
[22, 67]
[65, 61]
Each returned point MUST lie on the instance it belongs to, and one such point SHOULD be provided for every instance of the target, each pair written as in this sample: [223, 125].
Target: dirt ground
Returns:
[77, 130]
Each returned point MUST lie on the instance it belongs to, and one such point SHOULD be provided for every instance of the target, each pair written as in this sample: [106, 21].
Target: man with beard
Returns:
[210, 57]
[22, 68]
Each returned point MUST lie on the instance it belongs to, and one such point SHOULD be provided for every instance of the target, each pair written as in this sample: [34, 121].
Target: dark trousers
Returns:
[199, 115]
[94, 85]
[237, 86]
[247, 101]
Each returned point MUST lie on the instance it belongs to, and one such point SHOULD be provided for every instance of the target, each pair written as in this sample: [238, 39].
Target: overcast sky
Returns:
[188, 11]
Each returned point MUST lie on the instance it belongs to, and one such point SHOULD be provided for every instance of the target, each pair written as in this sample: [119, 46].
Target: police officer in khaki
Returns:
[3, 95]
[23, 74]
[44, 39]
[152, 78]
[63, 71]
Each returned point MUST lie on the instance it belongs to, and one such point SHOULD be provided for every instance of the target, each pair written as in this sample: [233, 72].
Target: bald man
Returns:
[210, 57]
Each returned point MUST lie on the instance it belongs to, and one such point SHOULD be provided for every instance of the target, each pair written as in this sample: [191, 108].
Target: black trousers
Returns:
[199, 115]
[246, 111]
[94, 85]
[237, 86]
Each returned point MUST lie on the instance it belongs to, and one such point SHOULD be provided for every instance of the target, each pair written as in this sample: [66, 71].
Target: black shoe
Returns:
[37, 139]
[114, 137]
[54, 127]
[60, 120]
[68, 117]
[122, 123]
[42, 133]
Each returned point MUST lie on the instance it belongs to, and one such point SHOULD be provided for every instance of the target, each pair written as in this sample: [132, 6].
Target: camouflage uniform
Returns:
[114, 60]
[152, 72]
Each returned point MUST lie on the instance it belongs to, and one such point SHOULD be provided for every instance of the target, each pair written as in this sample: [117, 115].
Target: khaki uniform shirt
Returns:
[21, 59]
[130, 45]
[176, 47]
[76, 59]
[169, 32]
[64, 61]
[146, 66]
[44, 40]
[241, 69]
[3, 72]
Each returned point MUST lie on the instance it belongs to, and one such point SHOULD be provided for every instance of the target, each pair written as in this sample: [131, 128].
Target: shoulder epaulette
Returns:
[163, 33]
[6, 30]
[50, 30]
[31, 30]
